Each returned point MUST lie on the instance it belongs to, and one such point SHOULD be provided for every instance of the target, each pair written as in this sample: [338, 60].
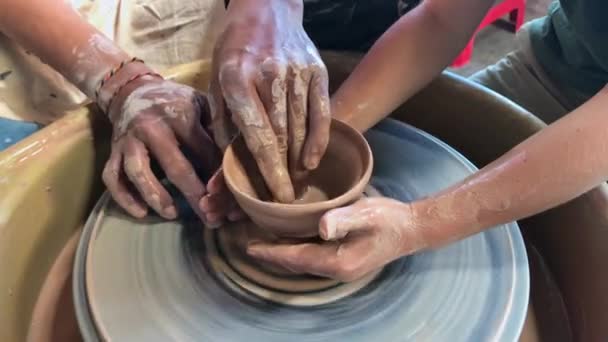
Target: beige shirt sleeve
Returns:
[162, 32]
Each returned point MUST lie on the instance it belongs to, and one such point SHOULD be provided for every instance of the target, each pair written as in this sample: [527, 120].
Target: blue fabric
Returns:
[12, 131]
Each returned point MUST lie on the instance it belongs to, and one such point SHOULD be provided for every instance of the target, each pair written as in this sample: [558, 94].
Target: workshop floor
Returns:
[497, 40]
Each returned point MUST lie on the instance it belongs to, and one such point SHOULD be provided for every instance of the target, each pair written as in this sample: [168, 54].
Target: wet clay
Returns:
[317, 187]
[339, 180]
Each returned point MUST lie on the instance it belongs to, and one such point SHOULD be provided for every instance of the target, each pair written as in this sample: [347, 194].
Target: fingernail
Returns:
[312, 160]
[204, 203]
[215, 217]
[327, 228]
[254, 249]
[170, 212]
[213, 225]
[139, 212]
[286, 195]
[329, 232]
[324, 234]
[134, 208]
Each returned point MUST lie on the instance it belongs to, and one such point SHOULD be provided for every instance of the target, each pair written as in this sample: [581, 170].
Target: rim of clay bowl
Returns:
[336, 202]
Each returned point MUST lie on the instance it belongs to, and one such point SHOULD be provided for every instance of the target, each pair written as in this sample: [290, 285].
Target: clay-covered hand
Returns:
[358, 239]
[270, 84]
[164, 121]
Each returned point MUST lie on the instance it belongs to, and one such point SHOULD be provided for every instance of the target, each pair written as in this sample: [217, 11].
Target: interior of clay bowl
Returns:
[339, 179]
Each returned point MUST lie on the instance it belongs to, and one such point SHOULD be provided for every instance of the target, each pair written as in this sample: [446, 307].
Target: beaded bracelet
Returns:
[135, 77]
[113, 72]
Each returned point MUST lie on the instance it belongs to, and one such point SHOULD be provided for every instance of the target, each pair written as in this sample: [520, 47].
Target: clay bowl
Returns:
[339, 180]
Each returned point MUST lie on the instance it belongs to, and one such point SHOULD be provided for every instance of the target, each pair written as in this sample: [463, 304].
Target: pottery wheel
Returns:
[153, 280]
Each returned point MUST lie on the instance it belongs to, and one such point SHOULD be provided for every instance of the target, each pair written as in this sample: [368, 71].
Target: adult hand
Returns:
[359, 239]
[269, 76]
[160, 119]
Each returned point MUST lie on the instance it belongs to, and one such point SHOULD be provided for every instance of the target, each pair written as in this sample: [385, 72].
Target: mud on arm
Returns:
[153, 118]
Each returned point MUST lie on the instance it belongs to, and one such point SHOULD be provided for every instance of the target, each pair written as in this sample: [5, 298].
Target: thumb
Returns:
[338, 223]
[301, 258]
[217, 183]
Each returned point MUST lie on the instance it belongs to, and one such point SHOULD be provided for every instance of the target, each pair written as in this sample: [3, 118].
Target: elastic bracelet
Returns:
[135, 77]
[113, 72]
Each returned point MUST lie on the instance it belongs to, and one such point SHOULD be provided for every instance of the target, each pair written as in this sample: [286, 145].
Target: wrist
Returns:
[441, 220]
[116, 78]
[123, 94]
[117, 86]
[295, 6]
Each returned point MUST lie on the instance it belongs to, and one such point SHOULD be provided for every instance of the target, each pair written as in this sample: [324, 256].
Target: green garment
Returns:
[571, 44]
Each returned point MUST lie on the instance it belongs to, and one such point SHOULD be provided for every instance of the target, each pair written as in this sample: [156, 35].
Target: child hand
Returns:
[359, 239]
[155, 118]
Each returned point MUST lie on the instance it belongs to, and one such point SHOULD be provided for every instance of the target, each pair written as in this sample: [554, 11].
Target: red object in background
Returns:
[516, 9]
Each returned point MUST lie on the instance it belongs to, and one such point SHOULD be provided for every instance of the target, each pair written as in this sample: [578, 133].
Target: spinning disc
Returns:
[152, 280]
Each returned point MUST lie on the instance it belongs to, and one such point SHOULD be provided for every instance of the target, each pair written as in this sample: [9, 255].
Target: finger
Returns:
[338, 223]
[117, 186]
[236, 214]
[317, 259]
[162, 143]
[222, 127]
[217, 183]
[205, 151]
[297, 98]
[250, 117]
[319, 120]
[219, 202]
[216, 210]
[192, 134]
[345, 262]
[272, 89]
[215, 219]
[137, 169]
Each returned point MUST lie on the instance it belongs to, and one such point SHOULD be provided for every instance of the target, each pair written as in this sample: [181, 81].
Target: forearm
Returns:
[54, 32]
[407, 57]
[250, 9]
[565, 160]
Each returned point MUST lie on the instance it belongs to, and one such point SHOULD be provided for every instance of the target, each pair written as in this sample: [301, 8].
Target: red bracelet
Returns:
[135, 77]
[113, 72]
